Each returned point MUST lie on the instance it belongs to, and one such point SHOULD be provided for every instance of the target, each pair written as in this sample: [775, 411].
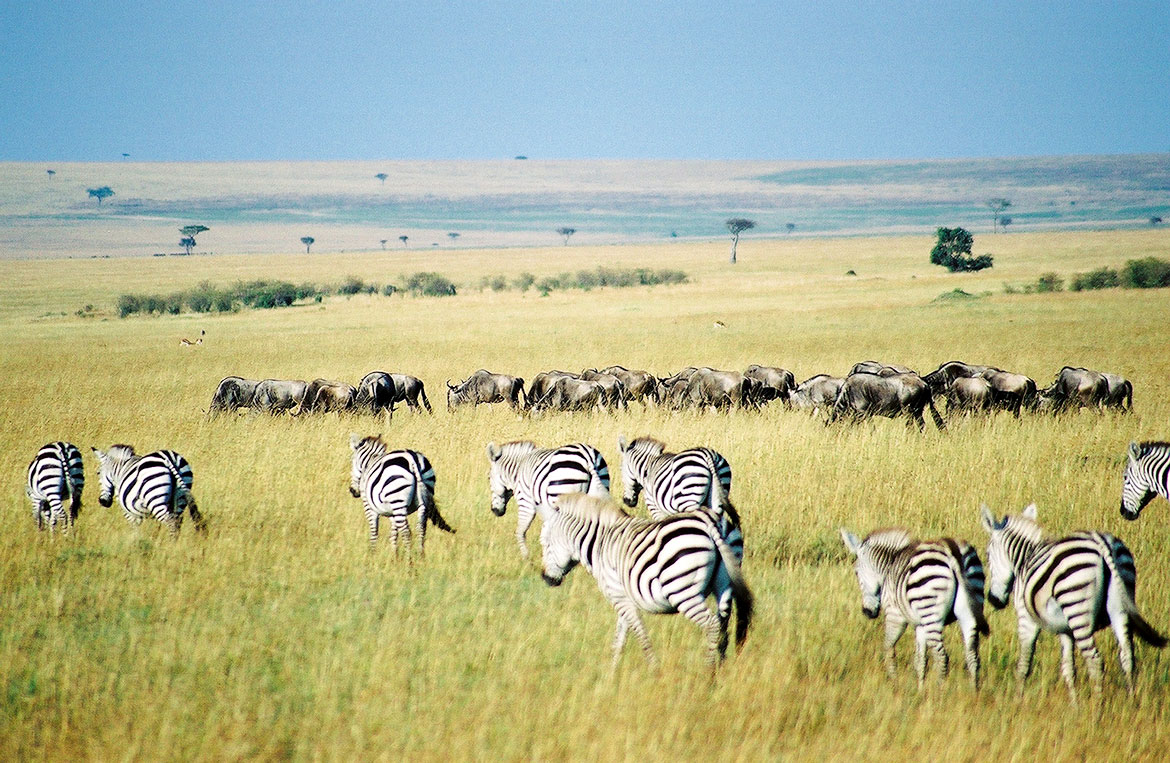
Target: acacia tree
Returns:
[453, 236]
[382, 176]
[952, 250]
[997, 206]
[790, 227]
[567, 233]
[104, 192]
[189, 233]
[383, 241]
[403, 239]
[736, 226]
[308, 241]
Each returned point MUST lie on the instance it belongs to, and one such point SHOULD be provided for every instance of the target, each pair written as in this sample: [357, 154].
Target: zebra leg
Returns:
[1092, 657]
[400, 527]
[1068, 667]
[1120, 623]
[921, 639]
[628, 611]
[696, 611]
[524, 516]
[372, 521]
[619, 641]
[1028, 632]
[422, 529]
[895, 627]
[935, 641]
[971, 650]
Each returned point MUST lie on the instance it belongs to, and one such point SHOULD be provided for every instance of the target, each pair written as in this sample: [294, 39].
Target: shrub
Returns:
[524, 281]
[1049, 282]
[1102, 278]
[1147, 273]
[388, 290]
[429, 285]
[952, 250]
[545, 285]
[498, 283]
[128, 304]
[351, 285]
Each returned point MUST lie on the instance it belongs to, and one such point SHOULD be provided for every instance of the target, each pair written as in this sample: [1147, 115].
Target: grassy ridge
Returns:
[281, 636]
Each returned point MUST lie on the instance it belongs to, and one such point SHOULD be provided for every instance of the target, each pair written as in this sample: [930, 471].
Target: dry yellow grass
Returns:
[280, 636]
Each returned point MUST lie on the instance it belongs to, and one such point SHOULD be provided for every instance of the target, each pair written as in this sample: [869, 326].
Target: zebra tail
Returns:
[189, 500]
[1124, 571]
[1145, 631]
[435, 517]
[744, 601]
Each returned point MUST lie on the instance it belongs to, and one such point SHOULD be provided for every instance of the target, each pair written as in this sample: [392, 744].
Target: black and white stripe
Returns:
[1147, 474]
[658, 566]
[394, 484]
[926, 584]
[155, 485]
[56, 474]
[535, 476]
[1071, 586]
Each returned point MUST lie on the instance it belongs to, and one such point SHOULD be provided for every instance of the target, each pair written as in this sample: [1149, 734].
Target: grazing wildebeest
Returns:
[324, 396]
[279, 395]
[232, 394]
[1076, 387]
[864, 395]
[880, 369]
[616, 394]
[641, 385]
[569, 394]
[940, 378]
[1011, 391]
[379, 390]
[1120, 394]
[816, 392]
[708, 387]
[969, 394]
[486, 387]
[774, 383]
[543, 383]
[669, 382]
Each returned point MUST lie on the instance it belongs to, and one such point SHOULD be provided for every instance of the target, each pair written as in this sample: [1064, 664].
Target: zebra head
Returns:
[365, 451]
[499, 478]
[635, 457]
[108, 463]
[869, 578]
[1011, 541]
[1137, 483]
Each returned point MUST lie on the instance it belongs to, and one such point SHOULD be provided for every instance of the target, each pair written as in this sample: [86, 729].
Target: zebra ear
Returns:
[100, 456]
[1029, 512]
[354, 440]
[493, 452]
[622, 444]
[989, 522]
[852, 542]
[1135, 452]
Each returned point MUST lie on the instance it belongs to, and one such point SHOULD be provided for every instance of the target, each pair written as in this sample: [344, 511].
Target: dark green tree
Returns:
[567, 233]
[189, 233]
[104, 192]
[308, 241]
[952, 250]
[736, 226]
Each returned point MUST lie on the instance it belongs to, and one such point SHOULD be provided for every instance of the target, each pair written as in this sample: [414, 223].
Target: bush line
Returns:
[1147, 273]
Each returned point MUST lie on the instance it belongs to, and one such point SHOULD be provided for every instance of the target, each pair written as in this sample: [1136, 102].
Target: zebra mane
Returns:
[889, 540]
[603, 511]
[1152, 444]
[656, 447]
[517, 448]
[1025, 528]
[120, 452]
[374, 443]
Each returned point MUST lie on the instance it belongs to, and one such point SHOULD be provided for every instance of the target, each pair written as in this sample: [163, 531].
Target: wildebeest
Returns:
[616, 394]
[708, 387]
[816, 392]
[324, 396]
[232, 394]
[1120, 392]
[940, 378]
[1011, 391]
[774, 383]
[864, 395]
[543, 383]
[379, 390]
[970, 394]
[486, 387]
[880, 369]
[1076, 387]
[569, 394]
[279, 395]
[641, 385]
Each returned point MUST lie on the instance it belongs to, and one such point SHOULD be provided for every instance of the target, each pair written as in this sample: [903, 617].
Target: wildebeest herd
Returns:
[692, 545]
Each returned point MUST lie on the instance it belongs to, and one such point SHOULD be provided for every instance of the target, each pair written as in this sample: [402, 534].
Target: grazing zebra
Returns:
[394, 484]
[56, 473]
[1147, 474]
[534, 476]
[157, 485]
[926, 584]
[659, 566]
[1071, 586]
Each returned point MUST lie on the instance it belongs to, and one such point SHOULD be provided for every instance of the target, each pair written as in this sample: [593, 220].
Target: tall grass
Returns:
[280, 635]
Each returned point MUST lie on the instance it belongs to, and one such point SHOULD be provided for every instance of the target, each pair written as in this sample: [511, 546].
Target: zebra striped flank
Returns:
[394, 484]
[658, 566]
[157, 485]
[1147, 475]
[1071, 586]
[55, 474]
[926, 584]
[535, 476]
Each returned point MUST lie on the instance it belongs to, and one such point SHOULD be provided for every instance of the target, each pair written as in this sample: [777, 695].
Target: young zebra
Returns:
[1147, 474]
[534, 476]
[394, 484]
[56, 473]
[658, 566]
[1071, 586]
[157, 485]
[927, 584]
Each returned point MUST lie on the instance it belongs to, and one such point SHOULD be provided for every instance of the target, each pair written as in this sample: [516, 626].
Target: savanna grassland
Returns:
[281, 635]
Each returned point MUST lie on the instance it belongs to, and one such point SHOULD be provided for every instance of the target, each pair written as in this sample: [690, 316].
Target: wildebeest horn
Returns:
[450, 385]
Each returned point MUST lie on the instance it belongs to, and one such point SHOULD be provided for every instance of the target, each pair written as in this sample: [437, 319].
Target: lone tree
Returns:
[382, 176]
[51, 173]
[403, 239]
[997, 206]
[952, 250]
[1155, 220]
[736, 226]
[383, 241]
[104, 192]
[453, 236]
[189, 233]
[308, 241]
[566, 232]
[790, 227]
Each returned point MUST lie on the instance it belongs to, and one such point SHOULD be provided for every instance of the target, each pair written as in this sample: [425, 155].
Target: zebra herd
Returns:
[691, 547]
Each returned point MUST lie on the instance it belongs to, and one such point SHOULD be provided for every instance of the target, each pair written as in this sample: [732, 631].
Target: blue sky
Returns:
[211, 80]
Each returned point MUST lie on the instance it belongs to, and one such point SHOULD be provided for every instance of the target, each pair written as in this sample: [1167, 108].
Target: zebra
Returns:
[1071, 586]
[56, 473]
[658, 566]
[394, 484]
[1147, 473]
[927, 584]
[157, 485]
[534, 476]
